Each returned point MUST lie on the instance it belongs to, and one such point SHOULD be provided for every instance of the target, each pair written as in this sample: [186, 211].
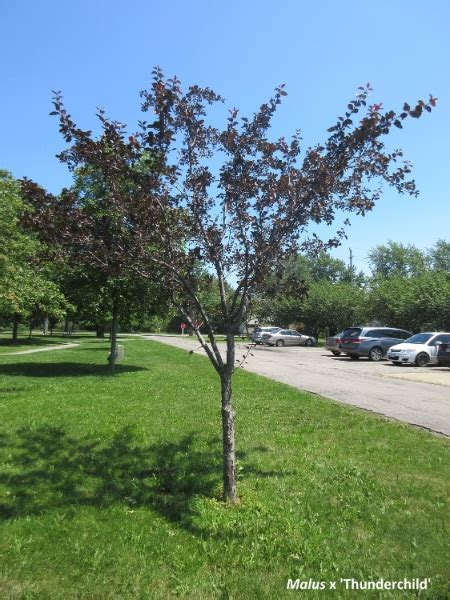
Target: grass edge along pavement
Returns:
[110, 485]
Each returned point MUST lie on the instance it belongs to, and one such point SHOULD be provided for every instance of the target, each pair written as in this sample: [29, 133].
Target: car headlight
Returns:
[406, 351]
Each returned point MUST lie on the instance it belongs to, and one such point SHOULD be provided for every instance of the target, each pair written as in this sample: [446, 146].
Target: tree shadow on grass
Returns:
[63, 369]
[47, 469]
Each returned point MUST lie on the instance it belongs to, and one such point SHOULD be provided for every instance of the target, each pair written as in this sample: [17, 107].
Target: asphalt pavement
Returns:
[419, 396]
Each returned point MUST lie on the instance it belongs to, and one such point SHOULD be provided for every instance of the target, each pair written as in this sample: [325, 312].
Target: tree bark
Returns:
[100, 331]
[45, 326]
[113, 337]
[15, 332]
[229, 454]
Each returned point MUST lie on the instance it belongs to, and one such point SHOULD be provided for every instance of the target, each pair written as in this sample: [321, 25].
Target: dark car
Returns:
[443, 355]
[332, 343]
[371, 342]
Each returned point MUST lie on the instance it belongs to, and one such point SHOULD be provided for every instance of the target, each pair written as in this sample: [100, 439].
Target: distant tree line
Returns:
[408, 288]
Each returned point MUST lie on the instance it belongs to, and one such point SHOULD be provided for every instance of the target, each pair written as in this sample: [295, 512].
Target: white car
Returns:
[420, 349]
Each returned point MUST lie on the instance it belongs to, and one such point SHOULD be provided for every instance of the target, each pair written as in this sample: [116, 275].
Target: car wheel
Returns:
[376, 354]
[335, 353]
[309, 342]
[279, 343]
[422, 359]
[354, 357]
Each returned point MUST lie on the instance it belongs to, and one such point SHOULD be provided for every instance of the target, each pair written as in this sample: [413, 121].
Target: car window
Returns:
[403, 335]
[444, 337]
[394, 333]
[296, 333]
[352, 332]
[284, 332]
[377, 333]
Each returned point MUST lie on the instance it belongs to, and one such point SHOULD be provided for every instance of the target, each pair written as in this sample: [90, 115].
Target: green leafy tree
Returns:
[439, 256]
[333, 306]
[397, 259]
[413, 303]
[25, 289]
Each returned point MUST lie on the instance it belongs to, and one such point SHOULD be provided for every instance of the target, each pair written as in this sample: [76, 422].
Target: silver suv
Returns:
[371, 342]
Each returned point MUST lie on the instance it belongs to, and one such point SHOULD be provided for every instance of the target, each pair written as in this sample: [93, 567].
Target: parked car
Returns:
[420, 349]
[371, 342]
[257, 334]
[287, 337]
[332, 343]
[443, 355]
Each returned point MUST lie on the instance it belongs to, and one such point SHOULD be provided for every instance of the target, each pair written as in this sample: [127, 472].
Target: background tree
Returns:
[246, 216]
[413, 303]
[26, 291]
[94, 223]
[397, 259]
[334, 306]
[439, 256]
[283, 299]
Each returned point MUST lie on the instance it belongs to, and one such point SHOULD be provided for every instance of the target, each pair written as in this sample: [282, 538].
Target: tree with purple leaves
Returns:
[232, 200]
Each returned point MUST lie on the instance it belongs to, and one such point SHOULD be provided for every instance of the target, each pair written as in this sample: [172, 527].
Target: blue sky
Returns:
[101, 53]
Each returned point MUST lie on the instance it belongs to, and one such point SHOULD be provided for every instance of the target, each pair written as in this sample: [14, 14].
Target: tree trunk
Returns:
[100, 331]
[229, 454]
[113, 337]
[45, 326]
[66, 324]
[15, 332]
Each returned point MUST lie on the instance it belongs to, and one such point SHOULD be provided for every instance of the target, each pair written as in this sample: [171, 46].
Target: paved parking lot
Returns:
[417, 396]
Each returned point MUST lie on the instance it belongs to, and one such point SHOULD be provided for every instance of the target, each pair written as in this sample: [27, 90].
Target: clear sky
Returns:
[101, 53]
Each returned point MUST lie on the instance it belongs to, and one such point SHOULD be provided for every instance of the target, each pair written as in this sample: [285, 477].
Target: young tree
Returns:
[245, 216]
[232, 199]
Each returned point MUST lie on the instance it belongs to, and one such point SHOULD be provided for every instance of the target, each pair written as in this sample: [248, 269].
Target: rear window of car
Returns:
[352, 332]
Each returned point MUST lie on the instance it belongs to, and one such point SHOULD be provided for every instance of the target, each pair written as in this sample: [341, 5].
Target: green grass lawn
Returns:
[111, 485]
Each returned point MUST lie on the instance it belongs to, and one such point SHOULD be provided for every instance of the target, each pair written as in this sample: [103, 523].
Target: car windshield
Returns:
[419, 338]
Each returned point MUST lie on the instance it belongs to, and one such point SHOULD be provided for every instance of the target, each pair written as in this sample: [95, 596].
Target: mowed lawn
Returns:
[111, 485]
